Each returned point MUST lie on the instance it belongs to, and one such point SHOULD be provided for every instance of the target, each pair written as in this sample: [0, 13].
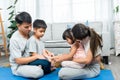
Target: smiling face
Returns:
[39, 32]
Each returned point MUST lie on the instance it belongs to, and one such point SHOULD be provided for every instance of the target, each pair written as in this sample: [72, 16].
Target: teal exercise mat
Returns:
[104, 75]
[6, 74]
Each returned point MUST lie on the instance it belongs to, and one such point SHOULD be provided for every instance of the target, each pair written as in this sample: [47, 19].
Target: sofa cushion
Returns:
[48, 33]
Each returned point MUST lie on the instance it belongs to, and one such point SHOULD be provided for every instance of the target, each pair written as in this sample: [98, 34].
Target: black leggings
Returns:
[46, 65]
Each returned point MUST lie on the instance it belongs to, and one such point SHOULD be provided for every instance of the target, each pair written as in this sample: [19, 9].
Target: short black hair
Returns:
[68, 34]
[23, 17]
[39, 24]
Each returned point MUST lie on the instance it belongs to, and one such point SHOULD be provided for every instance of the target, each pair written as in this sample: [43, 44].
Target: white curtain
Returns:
[66, 10]
[83, 10]
[44, 10]
[28, 6]
[75, 10]
[61, 11]
[104, 13]
[55, 11]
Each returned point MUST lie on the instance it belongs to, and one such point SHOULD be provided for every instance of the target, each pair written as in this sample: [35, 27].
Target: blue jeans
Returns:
[46, 65]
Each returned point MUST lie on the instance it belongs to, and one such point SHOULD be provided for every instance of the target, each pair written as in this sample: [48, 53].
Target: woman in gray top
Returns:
[92, 43]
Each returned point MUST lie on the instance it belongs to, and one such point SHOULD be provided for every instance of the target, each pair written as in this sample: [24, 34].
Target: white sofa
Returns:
[53, 38]
[55, 43]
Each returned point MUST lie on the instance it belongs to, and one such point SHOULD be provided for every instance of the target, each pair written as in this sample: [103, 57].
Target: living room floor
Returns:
[114, 64]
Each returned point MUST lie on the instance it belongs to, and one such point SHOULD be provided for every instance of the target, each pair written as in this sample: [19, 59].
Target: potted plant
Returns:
[13, 25]
[11, 18]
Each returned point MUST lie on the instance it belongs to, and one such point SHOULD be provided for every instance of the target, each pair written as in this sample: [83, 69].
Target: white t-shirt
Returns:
[86, 43]
[17, 47]
[20, 47]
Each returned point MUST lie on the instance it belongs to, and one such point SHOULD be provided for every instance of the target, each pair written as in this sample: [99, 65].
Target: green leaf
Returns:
[13, 26]
[11, 17]
[12, 12]
[9, 35]
[14, 6]
[12, 21]
[9, 7]
[117, 9]
[15, 1]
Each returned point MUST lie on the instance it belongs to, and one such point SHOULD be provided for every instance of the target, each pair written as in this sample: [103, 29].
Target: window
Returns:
[83, 10]
[28, 6]
[66, 10]
[55, 11]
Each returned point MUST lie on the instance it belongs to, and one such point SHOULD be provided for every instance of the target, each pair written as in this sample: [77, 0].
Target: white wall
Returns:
[103, 13]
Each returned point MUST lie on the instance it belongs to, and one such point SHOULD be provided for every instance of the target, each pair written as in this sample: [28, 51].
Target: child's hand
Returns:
[49, 53]
[45, 53]
[39, 56]
[57, 58]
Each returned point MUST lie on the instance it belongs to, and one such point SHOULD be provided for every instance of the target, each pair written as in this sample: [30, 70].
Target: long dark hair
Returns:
[80, 31]
[68, 34]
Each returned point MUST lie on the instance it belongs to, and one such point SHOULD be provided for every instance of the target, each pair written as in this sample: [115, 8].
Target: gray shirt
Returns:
[20, 47]
[17, 47]
[34, 45]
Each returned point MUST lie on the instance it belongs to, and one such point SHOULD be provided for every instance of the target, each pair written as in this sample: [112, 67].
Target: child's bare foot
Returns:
[40, 66]
[53, 68]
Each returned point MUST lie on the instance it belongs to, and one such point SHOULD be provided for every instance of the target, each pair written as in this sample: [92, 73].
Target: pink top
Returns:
[80, 53]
